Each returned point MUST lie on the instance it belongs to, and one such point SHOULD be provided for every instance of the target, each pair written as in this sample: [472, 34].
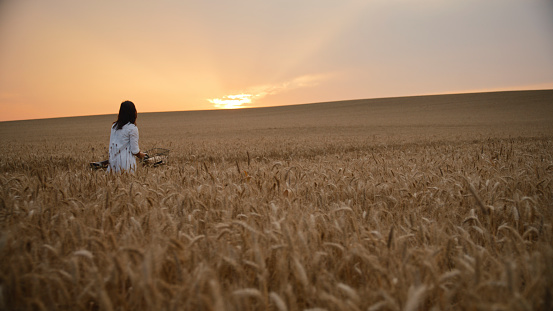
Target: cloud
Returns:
[244, 99]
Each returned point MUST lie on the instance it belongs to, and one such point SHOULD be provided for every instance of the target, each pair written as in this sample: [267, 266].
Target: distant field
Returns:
[441, 202]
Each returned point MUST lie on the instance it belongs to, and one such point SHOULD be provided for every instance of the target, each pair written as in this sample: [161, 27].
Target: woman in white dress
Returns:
[123, 141]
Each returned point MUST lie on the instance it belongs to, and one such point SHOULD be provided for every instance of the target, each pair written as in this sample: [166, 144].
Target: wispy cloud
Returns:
[248, 97]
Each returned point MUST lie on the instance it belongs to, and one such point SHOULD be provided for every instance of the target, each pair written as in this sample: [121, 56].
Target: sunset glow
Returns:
[231, 101]
[259, 92]
[69, 58]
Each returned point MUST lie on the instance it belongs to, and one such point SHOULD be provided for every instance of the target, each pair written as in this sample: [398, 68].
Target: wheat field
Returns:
[422, 203]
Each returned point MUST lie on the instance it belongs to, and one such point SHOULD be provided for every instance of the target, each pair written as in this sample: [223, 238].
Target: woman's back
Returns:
[123, 141]
[123, 145]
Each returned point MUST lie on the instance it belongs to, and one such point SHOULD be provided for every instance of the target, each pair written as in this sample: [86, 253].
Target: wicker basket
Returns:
[156, 157]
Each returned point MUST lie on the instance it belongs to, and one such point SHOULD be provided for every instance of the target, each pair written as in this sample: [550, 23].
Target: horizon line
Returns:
[300, 104]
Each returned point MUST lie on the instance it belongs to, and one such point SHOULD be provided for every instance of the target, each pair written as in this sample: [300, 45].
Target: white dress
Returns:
[123, 145]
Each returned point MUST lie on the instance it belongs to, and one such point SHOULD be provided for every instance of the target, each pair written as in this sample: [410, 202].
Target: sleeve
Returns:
[133, 136]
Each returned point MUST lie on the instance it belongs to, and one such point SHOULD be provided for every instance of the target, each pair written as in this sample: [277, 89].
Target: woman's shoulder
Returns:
[129, 127]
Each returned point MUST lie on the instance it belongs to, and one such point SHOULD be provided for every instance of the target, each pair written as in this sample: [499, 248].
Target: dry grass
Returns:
[257, 211]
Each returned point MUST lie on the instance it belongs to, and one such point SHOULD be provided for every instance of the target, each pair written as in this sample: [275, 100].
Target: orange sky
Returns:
[67, 58]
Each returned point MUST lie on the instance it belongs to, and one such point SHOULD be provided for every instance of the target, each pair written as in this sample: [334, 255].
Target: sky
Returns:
[63, 58]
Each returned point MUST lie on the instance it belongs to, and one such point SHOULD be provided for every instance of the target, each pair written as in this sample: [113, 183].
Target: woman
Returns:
[123, 141]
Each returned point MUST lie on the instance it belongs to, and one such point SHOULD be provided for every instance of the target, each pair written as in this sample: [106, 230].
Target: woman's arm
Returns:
[133, 138]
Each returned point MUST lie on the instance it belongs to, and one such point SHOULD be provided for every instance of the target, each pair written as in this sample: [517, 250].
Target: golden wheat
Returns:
[340, 222]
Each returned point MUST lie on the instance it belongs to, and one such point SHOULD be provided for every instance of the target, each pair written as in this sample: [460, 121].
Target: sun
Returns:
[231, 101]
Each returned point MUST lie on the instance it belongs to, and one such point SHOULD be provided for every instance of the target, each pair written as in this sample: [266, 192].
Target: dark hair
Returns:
[127, 114]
